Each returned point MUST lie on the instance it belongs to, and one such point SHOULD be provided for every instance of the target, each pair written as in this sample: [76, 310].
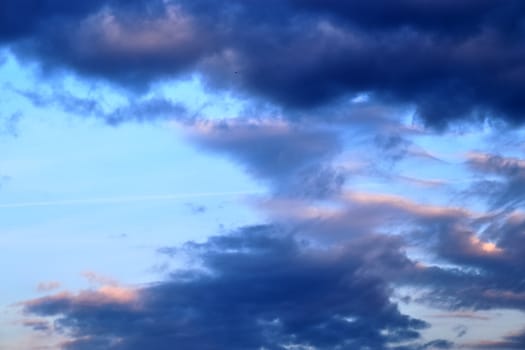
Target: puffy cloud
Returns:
[256, 288]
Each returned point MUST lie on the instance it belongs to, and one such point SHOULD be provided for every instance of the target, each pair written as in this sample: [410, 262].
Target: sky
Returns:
[266, 175]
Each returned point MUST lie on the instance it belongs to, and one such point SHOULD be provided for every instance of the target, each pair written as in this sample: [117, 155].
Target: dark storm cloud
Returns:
[449, 59]
[257, 288]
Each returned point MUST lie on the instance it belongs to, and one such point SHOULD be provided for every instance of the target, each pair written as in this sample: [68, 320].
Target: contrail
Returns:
[125, 199]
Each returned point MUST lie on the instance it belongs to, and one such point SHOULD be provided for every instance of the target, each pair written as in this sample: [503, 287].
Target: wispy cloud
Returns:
[126, 199]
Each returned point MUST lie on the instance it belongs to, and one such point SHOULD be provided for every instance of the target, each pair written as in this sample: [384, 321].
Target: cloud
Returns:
[438, 344]
[124, 199]
[295, 159]
[480, 262]
[25, 18]
[350, 214]
[95, 278]
[449, 59]
[511, 341]
[255, 288]
[103, 296]
[464, 315]
[136, 110]
[48, 286]
[503, 184]
[460, 330]
[469, 260]
[339, 74]
[9, 124]
[38, 325]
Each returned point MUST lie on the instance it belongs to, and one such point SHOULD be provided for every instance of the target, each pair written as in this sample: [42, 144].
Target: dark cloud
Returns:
[446, 60]
[257, 288]
[132, 43]
[26, 19]
[449, 59]
[438, 344]
[295, 159]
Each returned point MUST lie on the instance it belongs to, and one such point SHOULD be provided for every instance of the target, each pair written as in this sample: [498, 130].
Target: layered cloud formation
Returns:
[364, 201]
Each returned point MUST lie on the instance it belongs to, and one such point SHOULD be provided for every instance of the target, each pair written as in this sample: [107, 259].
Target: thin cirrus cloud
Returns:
[125, 199]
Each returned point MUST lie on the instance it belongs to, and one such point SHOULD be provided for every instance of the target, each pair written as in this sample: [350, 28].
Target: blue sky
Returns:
[300, 175]
[79, 196]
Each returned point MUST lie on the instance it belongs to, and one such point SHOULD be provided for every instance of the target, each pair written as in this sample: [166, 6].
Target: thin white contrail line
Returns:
[125, 199]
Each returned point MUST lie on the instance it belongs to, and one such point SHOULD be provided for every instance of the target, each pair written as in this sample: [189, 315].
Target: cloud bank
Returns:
[449, 59]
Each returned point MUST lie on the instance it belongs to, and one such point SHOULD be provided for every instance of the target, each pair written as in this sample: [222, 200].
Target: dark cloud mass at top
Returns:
[450, 59]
